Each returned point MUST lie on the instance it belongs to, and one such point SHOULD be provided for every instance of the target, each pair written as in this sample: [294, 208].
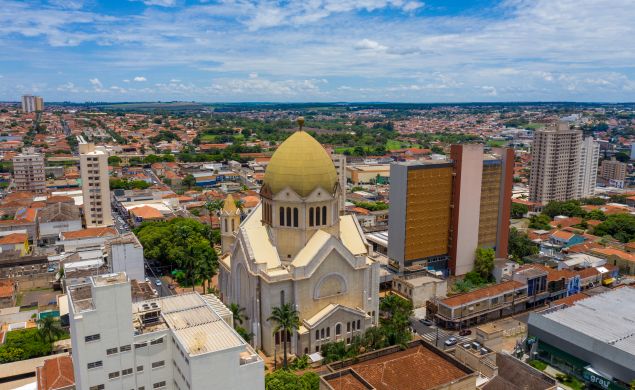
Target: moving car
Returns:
[465, 332]
[450, 342]
[426, 322]
[158, 282]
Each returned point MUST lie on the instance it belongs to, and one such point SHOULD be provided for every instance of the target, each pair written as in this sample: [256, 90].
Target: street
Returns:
[429, 333]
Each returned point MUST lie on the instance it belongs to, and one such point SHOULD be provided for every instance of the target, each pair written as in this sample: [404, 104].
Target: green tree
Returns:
[114, 161]
[484, 262]
[238, 313]
[287, 380]
[520, 246]
[570, 208]
[540, 221]
[49, 329]
[395, 320]
[519, 210]
[286, 319]
[619, 226]
[596, 214]
[188, 181]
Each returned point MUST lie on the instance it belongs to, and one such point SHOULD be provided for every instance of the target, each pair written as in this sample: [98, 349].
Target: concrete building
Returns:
[28, 172]
[591, 338]
[93, 163]
[613, 170]
[179, 342]
[556, 164]
[367, 174]
[419, 288]
[125, 254]
[57, 218]
[589, 159]
[441, 211]
[295, 247]
[32, 103]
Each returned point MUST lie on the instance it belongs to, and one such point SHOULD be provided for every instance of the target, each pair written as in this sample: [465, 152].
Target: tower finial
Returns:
[300, 121]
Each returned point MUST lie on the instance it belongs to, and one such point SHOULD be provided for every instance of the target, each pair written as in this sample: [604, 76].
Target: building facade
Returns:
[339, 160]
[441, 211]
[179, 342]
[294, 247]
[613, 170]
[28, 172]
[32, 103]
[555, 166]
[589, 160]
[93, 163]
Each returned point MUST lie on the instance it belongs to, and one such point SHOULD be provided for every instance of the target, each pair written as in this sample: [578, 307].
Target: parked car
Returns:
[465, 332]
[426, 322]
[450, 342]
[158, 282]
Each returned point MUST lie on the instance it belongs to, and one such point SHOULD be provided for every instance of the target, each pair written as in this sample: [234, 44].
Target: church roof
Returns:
[302, 164]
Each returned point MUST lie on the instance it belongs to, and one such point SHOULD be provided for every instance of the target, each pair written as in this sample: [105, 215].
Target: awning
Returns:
[608, 281]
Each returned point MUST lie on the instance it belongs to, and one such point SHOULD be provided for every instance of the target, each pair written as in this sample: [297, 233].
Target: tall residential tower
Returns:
[28, 172]
[93, 163]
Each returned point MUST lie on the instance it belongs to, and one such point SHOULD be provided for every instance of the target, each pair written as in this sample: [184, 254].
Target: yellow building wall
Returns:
[428, 212]
[490, 199]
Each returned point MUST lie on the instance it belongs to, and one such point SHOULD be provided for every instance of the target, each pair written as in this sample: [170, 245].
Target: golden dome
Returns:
[301, 164]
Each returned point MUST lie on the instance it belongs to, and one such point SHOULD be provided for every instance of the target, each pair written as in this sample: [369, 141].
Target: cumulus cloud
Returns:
[159, 3]
[139, 79]
[368, 44]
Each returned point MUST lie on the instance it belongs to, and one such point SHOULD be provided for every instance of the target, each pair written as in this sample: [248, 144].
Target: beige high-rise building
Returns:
[93, 163]
[28, 172]
[32, 103]
[589, 158]
[613, 170]
[556, 164]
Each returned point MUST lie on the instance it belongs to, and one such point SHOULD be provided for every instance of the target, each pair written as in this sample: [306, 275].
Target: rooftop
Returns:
[418, 367]
[56, 373]
[482, 293]
[607, 317]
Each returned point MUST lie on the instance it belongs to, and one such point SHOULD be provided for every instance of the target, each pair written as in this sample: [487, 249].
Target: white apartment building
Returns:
[339, 160]
[93, 164]
[589, 159]
[179, 342]
[555, 165]
[28, 172]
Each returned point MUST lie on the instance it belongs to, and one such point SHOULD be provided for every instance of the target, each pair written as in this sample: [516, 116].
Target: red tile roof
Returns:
[481, 293]
[56, 373]
[89, 233]
[14, 238]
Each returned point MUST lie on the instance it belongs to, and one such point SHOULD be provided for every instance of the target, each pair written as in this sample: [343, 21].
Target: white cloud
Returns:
[367, 44]
[95, 83]
[159, 3]
[139, 79]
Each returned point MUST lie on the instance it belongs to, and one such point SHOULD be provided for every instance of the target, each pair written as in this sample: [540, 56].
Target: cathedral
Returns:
[295, 247]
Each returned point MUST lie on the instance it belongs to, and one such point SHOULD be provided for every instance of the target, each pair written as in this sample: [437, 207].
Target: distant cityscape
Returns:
[186, 245]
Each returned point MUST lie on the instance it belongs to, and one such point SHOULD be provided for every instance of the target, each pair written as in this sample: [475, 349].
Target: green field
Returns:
[534, 126]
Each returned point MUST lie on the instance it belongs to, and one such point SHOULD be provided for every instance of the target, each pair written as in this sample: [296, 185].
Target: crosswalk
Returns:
[431, 336]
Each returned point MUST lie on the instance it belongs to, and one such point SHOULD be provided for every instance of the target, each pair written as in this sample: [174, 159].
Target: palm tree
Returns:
[286, 318]
[49, 329]
[238, 313]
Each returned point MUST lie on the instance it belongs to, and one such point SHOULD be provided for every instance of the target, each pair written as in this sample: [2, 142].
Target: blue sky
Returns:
[318, 50]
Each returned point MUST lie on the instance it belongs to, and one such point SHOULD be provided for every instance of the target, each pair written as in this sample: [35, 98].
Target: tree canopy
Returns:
[287, 380]
[619, 226]
[520, 246]
[484, 262]
[519, 210]
[570, 208]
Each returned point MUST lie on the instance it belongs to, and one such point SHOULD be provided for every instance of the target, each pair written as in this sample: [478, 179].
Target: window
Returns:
[141, 345]
[124, 348]
[111, 351]
[139, 368]
[288, 216]
[311, 216]
[358, 325]
[158, 385]
[328, 332]
[92, 337]
[141, 388]
[127, 371]
[324, 215]
[98, 387]
[317, 334]
[157, 341]
[348, 326]
[113, 375]
[295, 217]
[96, 364]
[338, 329]
[158, 364]
[322, 333]
[281, 216]
[317, 216]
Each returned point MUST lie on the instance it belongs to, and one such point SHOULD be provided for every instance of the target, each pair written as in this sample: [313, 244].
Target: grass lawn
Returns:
[534, 126]
[207, 139]
[538, 365]
[392, 144]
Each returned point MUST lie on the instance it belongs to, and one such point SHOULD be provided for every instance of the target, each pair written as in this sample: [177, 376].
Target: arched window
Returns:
[311, 216]
[295, 217]
[225, 223]
[289, 216]
[317, 216]
[322, 332]
[338, 329]
[317, 334]
[232, 225]
[328, 332]
[324, 215]
[281, 216]
[358, 325]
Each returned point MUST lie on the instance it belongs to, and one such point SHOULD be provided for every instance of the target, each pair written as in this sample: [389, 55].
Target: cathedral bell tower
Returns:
[229, 223]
